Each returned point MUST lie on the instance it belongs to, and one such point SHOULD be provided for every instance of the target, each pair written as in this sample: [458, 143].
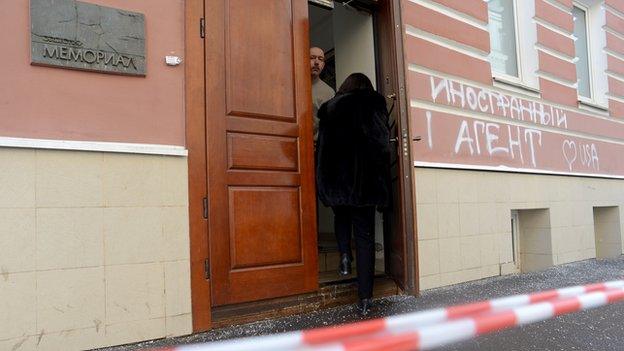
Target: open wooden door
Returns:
[400, 254]
[261, 203]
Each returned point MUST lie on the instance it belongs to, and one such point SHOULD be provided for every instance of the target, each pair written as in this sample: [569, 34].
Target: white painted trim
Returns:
[502, 77]
[558, 80]
[599, 58]
[555, 53]
[100, 146]
[461, 113]
[613, 10]
[556, 4]
[515, 86]
[518, 39]
[593, 107]
[615, 75]
[554, 28]
[615, 97]
[613, 32]
[420, 69]
[612, 53]
[452, 13]
[446, 43]
[527, 37]
[509, 169]
[585, 100]
[590, 58]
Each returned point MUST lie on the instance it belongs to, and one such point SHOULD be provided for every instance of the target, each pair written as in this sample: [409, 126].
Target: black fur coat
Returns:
[353, 151]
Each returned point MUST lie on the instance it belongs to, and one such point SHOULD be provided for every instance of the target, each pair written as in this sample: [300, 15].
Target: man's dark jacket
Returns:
[353, 151]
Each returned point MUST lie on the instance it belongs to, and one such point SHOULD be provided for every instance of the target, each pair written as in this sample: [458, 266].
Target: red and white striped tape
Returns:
[432, 328]
[432, 336]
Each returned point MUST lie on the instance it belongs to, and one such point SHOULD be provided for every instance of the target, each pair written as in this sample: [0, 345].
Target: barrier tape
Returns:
[432, 328]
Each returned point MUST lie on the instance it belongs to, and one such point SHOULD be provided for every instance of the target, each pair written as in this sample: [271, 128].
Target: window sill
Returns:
[515, 85]
[592, 106]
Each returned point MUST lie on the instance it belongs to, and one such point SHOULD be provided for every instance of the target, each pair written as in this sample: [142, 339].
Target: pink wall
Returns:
[464, 121]
[56, 103]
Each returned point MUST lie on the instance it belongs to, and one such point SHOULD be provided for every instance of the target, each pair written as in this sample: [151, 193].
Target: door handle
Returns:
[394, 140]
[391, 96]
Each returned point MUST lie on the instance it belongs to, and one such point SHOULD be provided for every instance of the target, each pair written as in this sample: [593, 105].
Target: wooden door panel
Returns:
[259, 126]
[262, 152]
[270, 237]
[259, 178]
[262, 225]
[260, 67]
[254, 284]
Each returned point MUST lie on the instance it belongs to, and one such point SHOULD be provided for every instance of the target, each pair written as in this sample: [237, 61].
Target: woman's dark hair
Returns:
[356, 81]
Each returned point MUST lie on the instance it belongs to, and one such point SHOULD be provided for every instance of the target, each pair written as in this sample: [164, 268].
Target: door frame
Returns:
[406, 168]
[406, 192]
[195, 108]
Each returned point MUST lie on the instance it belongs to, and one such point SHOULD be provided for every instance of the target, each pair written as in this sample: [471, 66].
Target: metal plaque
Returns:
[78, 35]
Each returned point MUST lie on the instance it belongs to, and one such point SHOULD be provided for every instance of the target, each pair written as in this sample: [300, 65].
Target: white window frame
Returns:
[591, 100]
[523, 83]
[504, 76]
[596, 21]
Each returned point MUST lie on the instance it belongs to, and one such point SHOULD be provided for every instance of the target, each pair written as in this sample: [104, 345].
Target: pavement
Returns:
[598, 329]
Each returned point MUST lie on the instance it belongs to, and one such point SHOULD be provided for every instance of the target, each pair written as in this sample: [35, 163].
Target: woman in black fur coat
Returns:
[353, 172]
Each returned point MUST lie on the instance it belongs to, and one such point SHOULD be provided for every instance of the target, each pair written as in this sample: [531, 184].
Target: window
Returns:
[591, 41]
[582, 52]
[502, 28]
[513, 56]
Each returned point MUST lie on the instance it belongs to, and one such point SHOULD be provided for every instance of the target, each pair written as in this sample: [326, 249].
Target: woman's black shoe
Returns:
[344, 268]
[364, 306]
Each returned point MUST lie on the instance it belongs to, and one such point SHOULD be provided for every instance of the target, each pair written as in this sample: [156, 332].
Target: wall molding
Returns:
[614, 54]
[615, 75]
[452, 13]
[554, 28]
[613, 10]
[559, 6]
[447, 43]
[96, 146]
[613, 32]
[554, 53]
[424, 164]
[615, 97]
[556, 79]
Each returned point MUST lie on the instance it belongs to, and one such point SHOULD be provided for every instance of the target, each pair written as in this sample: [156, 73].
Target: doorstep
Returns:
[328, 296]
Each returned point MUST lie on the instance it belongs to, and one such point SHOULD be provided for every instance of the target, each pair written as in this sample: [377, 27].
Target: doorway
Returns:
[254, 238]
[346, 35]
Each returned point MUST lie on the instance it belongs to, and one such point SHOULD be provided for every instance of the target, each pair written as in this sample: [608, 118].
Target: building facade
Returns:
[143, 204]
[527, 88]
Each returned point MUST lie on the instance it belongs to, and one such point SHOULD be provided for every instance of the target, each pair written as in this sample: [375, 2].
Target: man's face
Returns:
[317, 61]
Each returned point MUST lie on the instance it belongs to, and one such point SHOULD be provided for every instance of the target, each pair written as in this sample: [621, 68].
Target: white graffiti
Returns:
[480, 138]
[429, 133]
[570, 152]
[493, 102]
[476, 134]
[586, 153]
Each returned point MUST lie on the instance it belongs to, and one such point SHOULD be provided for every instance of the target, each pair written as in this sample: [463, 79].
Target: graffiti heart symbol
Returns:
[570, 152]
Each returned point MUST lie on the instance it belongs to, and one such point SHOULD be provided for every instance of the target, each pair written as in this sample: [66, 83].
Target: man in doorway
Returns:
[321, 92]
